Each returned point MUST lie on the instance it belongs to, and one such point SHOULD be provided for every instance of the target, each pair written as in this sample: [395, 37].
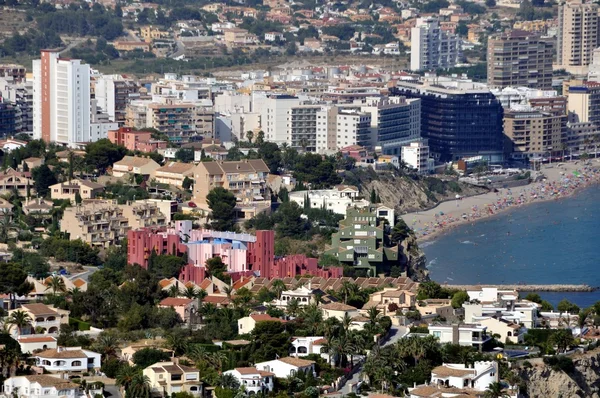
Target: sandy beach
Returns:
[559, 182]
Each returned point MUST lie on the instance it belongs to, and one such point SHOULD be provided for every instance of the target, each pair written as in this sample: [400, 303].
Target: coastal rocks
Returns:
[414, 260]
[584, 381]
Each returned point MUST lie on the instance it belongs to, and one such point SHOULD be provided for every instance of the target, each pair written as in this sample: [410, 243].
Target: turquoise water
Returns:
[555, 242]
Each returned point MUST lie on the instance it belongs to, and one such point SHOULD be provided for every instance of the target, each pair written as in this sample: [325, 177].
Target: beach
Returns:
[559, 182]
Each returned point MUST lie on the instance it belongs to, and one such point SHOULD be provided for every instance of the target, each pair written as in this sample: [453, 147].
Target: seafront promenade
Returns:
[529, 287]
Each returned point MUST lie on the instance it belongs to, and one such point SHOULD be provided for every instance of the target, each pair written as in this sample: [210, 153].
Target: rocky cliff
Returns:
[414, 260]
[583, 381]
[408, 192]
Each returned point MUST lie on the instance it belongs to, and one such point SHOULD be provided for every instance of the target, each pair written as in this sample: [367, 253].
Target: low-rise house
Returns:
[35, 386]
[184, 307]
[338, 310]
[131, 165]
[458, 380]
[248, 323]
[521, 312]
[173, 173]
[167, 378]
[38, 207]
[32, 163]
[304, 295]
[128, 352]
[287, 366]
[274, 36]
[68, 359]
[303, 346]
[430, 309]
[509, 332]
[253, 380]
[43, 316]
[11, 180]
[70, 189]
[32, 343]
[463, 334]
[390, 298]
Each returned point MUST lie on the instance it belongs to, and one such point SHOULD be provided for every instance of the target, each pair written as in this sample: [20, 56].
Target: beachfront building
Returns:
[416, 156]
[460, 118]
[464, 334]
[338, 199]
[359, 243]
[533, 133]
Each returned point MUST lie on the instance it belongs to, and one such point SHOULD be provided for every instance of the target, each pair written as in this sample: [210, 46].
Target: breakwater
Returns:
[529, 287]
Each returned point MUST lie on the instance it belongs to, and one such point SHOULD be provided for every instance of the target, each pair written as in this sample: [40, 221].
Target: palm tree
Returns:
[249, 136]
[107, 345]
[229, 381]
[190, 292]
[217, 359]
[125, 376]
[278, 287]
[139, 387]
[197, 353]
[173, 291]
[293, 307]
[178, 345]
[495, 390]
[20, 319]
[313, 317]
[346, 323]
[228, 290]
[348, 290]
[373, 314]
[57, 284]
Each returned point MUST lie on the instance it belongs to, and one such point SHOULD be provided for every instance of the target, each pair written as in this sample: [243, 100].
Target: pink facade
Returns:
[135, 140]
[244, 254]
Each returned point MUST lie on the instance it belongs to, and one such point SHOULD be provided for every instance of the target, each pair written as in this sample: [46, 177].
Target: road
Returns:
[396, 333]
[111, 391]
[72, 44]
[85, 275]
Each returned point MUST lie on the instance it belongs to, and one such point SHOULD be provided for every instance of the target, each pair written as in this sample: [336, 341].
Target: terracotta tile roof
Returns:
[49, 381]
[265, 317]
[338, 307]
[320, 342]
[247, 371]
[175, 301]
[241, 283]
[164, 283]
[206, 282]
[39, 309]
[25, 339]
[446, 371]
[176, 167]
[55, 353]
[216, 299]
[133, 161]
[264, 373]
[79, 282]
[298, 362]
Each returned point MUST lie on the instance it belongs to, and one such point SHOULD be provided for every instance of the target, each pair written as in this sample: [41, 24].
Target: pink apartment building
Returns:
[135, 140]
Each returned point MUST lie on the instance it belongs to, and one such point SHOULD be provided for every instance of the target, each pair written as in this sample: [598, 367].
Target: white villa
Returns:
[35, 386]
[254, 381]
[303, 346]
[464, 334]
[68, 359]
[288, 366]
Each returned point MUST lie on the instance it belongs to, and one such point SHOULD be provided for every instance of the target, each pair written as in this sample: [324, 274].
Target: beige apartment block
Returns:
[173, 173]
[245, 179]
[519, 58]
[104, 223]
[534, 133]
[180, 121]
[577, 35]
[169, 378]
[131, 165]
[70, 189]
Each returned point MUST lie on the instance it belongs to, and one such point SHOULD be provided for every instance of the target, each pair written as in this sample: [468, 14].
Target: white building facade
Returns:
[431, 47]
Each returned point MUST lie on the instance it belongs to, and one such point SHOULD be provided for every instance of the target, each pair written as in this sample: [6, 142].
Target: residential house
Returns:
[70, 189]
[248, 323]
[131, 165]
[43, 316]
[508, 332]
[464, 334]
[245, 179]
[459, 380]
[303, 346]
[303, 295]
[38, 207]
[135, 140]
[338, 310]
[167, 378]
[12, 180]
[32, 162]
[128, 352]
[68, 359]
[253, 380]
[174, 173]
[184, 307]
[287, 366]
[35, 386]
[32, 343]
[395, 299]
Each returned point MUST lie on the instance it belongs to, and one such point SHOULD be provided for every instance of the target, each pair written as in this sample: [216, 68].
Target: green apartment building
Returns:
[359, 243]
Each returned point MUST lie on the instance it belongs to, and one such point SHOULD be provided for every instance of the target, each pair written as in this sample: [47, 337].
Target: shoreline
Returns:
[552, 287]
[559, 183]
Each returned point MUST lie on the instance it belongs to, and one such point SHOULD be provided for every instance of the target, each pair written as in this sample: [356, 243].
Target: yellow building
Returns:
[167, 378]
[150, 33]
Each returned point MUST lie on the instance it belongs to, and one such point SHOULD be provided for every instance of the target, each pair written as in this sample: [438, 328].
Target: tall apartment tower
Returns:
[577, 35]
[519, 58]
[61, 99]
[431, 47]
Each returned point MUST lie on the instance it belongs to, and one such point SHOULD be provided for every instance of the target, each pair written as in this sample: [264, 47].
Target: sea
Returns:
[555, 242]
